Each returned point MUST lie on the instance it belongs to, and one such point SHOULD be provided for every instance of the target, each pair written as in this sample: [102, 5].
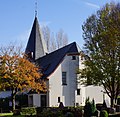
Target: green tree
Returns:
[17, 73]
[101, 32]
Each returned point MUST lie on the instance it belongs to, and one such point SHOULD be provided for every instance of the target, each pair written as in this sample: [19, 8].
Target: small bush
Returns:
[103, 113]
[51, 112]
[89, 108]
[69, 114]
[39, 110]
[16, 112]
[4, 104]
[28, 111]
[60, 112]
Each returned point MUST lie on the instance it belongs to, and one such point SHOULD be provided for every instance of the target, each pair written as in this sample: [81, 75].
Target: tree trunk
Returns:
[112, 102]
[13, 100]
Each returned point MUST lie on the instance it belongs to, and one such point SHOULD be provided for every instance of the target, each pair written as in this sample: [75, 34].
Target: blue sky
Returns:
[17, 16]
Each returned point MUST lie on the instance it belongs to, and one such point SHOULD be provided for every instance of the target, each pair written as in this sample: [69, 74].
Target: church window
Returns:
[64, 78]
[73, 57]
[78, 91]
[58, 99]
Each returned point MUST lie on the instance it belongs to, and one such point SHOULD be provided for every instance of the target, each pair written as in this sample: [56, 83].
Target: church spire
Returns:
[36, 46]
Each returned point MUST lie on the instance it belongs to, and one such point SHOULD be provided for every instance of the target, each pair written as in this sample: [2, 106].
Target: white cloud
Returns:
[92, 5]
[86, 3]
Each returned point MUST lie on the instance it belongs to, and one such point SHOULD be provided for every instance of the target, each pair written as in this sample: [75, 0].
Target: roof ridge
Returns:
[63, 47]
[69, 45]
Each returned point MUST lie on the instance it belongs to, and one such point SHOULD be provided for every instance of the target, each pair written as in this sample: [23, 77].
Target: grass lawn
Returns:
[10, 115]
[6, 114]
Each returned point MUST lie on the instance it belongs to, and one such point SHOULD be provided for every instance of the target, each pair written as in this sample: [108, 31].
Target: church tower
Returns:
[36, 46]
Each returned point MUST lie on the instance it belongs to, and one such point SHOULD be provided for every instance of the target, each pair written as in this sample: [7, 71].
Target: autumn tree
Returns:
[54, 40]
[101, 32]
[17, 73]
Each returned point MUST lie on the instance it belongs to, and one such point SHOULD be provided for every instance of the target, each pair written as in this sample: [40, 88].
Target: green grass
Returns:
[6, 114]
[18, 116]
[10, 115]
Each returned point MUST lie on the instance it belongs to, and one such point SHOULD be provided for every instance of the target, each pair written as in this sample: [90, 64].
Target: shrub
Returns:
[4, 105]
[51, 112]
[69, 114]
[103, 113]
[28, 111]
[4, 102]
[16, 112]
[60, 112]
[93, 106]
[22, 99]
[89, 108]
[39, 110]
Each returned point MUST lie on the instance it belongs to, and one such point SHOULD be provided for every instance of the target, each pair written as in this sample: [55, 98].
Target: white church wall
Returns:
[70, 66]
[34, 100]
[96, 92]
[93, 92]
[80, 99]
[66, 88]
[65, 92]
[55, 87]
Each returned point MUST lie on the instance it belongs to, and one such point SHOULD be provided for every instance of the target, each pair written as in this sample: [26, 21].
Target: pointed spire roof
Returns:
[36, 45]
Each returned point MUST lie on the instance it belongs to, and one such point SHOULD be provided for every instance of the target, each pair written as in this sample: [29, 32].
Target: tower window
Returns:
[78, 91]
[73, 57]
[58, 99]
[64, 78]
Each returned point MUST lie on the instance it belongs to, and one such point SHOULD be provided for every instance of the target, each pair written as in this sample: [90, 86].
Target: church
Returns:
[59, 70]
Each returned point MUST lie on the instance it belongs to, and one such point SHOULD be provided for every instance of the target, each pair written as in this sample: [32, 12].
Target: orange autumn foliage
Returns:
[18, 73]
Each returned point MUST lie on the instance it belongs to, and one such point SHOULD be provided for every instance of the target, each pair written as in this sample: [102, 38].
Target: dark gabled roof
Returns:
[51, 61]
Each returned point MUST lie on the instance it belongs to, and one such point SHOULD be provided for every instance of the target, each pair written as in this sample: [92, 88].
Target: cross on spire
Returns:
[35, 8]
